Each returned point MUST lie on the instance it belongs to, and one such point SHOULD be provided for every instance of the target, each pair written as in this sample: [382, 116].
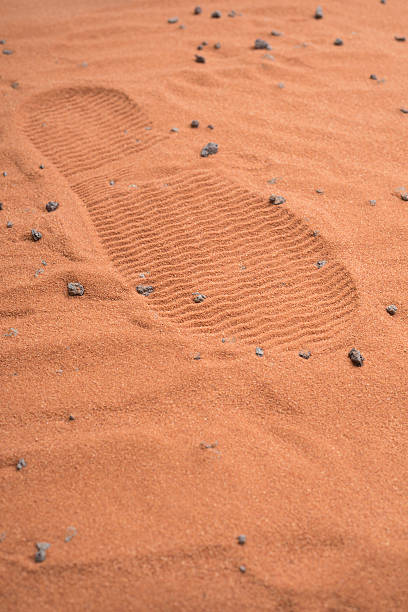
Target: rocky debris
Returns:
[276, 33]
[210, 149]
[36, 235]
[174, 129]
[404, 110]
[173, 20]
[197, 357]
[75, 289]
[259, 351]
[9, 224]
[404, 197]
[373, 77]
[13, 332]
[217, 45]
[1, 206]
[319, 191]
[144, 290]
[216, 15]
[21, 464]
[199, 297]
[70, 533]
[7, 52]
[71, 417]
[210, 127]
[261, 44]
[397, 38]
[321, 263]
[51, 206]
[305, 354]
[200, 59]
[318, 13]
[41, 166]
[356, 357]
[200, 48]
[204, 445]
[391, 309]
[198, 10]
[41, 553]
[242, 569]
[276, 199]
[15, 85]
[195, 123]
[338, 42]
[241, 539]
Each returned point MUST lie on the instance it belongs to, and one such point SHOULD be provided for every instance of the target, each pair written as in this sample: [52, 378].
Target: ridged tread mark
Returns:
[197, 232]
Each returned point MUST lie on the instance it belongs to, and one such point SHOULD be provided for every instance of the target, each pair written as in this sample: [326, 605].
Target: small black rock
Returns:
[9, 224]
[391, 309]
[210, 149]
[21, 464]
[210, 126]
[75, 289]
[173, 20]
[36, 235]
[145, 290]
[216, 14]
[404, 110]
[356, 357]
[259, 351]
[373, 77]
[373, 202]
[198, 10]
[261, 44]
[197, 357]
[195, 123]
[318, 13]
[338, 42]
[404, 197]
[276, 199]
[276, 33]
[321, 263]
[40, 556]
[397, 38]
[51, 206]
[204, 43]
[41, 166]
[217, 45]
[175, 130]
[1, 205]
[15, 85]
[200, 48]
[241, 539]
[305, 354]
[200, 59]
[199, 297]
[7, 52]
[71, 417]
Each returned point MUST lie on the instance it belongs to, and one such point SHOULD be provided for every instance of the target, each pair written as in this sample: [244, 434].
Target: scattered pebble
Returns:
[41, 166]
[36, 235]
[7, 52]
[404, 110]
[198, 10]
[373, 77]
[404, 197]
[75, 289]
[15, 84]
[204, 43]
[276, 199]
[321, 263]
[318, 13]
[217, 45]
[210, 149]
[241, 539]
[216, 15]
[199, 297]
[44, 263]
[397, 38]
[71, 417]
[1, 205]
[200, 59]
[259, 351]
[3, 41]
[373, 202]
[2, 536]
[4, 173]
[9, 224]
[205, 445]
[195, 123]
[51, 206]
[111, 183]
[261, 44]
[173, 20]
[84, 64]
[391, 309]
[70, 533]
[281, 85]
[200, 48]
[175, 130]
[338, 42]
[269, 57]
[197, 357]
[305, 354]
[210, 126]
[232, 13]
[41, 553]
[145, 290]
[356, 357]
[319, 191]
[21, 464]
[242, 569]
[276, 33]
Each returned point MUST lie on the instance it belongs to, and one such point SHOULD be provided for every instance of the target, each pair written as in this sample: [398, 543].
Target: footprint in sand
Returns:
[256, 263]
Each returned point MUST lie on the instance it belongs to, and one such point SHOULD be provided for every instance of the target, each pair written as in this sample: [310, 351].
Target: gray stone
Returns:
[210, 149]
[318, 13]
[21, 464]
[338, 42]
[391, 309]
[200, 59]
[51, 206]
[173, 20]
[36, 235]
[241, 539]
[397, 38]
[276, 33]
[198, 10]
[75, 289]
[404, 110]
[404, 197]
[259, 351]
[321, 263]
[216, 15]
[276, 199]
[242, 569]
[199, 297]
[261, 44]
[195, 123]
[356, 357]
[145, 290]
[305, 354]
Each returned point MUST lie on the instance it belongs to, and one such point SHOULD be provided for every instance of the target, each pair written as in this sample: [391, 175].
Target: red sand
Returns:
[310, 461]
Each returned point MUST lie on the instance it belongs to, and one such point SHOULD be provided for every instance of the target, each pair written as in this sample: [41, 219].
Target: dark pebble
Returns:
[195, 123]
[75, 289]
[21, 464]
[199, 297]
[338, 42]
[2, 41]
[15, 85]
[373, 77]
[216, 14]
[319, 191]
[404, 197]
[318, 13]
[259, 351]
[261, 44]
[4, 173]
[241, 539]
[404, 110]
[145, 290]
[210, 126]
[71, 417]
[276, 199]
[7, 52]
[321, 263]
[198, 10]
[232, 13]
[111, 183]
[1, 205]
[210, 149]
[197, 357]
[242, 569]
[204, 43]
[175, 130]
[373, 202]
[9, 224]
[276, 33]
[217, 45]
[315, 233]
[51, 206]
[36, 235]
[304, 354]
[40, 556]
[41, 166]
[356, 357]
[200, 48]
[200, 59]
[397, 38]
[383, 1]
[173, 20]
[391, 309]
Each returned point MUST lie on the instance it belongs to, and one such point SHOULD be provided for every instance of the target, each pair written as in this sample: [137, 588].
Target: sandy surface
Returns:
[169, 457]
